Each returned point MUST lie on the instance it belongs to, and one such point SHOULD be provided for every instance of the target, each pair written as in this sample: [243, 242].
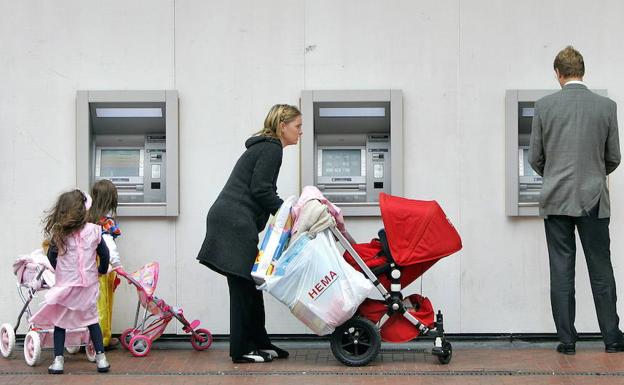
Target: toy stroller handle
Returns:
[19, 317]
[128, 277]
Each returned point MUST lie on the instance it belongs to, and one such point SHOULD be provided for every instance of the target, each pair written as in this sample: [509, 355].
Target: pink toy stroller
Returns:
[417, 234]
[34, 274]
[156, 315]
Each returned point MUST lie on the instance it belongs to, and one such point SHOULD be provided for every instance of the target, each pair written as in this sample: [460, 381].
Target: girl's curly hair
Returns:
[66, 216]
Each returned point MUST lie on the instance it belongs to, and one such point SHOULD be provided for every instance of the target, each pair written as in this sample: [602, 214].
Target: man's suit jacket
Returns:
[574, 146]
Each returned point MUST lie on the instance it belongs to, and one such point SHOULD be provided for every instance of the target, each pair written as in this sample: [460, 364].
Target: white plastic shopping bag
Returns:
[276, 236]
[319, 287]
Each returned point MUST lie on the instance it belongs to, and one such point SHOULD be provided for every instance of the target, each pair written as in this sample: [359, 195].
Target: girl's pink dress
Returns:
[72, 302]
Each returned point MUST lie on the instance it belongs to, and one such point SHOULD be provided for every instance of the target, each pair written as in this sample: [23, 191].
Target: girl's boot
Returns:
[102, 363]
[57, 365]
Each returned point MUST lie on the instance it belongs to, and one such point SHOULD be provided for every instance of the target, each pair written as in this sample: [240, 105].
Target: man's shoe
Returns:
[614, 347]
[566, 348]
[57, 365]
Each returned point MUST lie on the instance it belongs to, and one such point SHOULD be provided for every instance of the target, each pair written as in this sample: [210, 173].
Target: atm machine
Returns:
[351, 146]
[135, 164]
[523, 185]
[353, 173]
[130, 138]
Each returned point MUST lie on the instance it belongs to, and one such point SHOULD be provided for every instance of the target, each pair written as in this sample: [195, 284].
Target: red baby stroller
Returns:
[417, 234]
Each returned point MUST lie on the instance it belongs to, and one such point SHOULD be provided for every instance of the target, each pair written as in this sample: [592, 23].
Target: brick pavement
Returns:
[312, 363]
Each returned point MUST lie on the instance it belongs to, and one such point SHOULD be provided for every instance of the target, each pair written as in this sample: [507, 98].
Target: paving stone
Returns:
[313, 363]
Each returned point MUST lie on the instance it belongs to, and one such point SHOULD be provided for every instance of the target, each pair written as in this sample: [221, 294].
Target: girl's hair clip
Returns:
[87, 200]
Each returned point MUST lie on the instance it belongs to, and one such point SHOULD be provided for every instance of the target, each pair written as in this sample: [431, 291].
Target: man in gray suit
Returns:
[574, 145]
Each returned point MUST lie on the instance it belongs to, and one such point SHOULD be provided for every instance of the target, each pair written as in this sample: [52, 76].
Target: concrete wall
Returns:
[232, 60]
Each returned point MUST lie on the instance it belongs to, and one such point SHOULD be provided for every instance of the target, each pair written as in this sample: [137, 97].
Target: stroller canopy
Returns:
[147, 277]
[27, 267]
[417, 231]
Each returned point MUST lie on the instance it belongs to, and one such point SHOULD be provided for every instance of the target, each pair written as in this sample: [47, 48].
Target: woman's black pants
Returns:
[247, 331]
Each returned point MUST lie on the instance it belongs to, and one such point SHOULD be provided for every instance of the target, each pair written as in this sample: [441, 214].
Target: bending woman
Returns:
[232, 225]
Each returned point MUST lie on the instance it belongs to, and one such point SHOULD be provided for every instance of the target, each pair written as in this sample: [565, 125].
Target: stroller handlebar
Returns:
[132, 281]
[128, 277]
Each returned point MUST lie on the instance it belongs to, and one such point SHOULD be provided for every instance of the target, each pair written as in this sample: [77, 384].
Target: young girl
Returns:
[71, 303]
[102, 213]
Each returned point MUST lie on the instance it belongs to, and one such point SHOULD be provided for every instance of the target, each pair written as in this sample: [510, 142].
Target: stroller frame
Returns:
[357, 341]
[37, 338]
[139, 338]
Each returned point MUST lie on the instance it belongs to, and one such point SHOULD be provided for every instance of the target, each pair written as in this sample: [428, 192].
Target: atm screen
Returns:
[120, 162]
[342, 162]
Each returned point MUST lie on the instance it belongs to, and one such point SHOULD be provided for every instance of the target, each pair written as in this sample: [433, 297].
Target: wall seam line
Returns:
[175, 221]
[459, 152]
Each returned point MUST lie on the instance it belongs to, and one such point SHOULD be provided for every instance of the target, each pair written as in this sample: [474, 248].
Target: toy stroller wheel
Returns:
[72, 349]
[32, 348]
[448, 353]
[90, 352]
[7, 340]
[140, 345]
[356, 343]
[197, 343]
[126, 336]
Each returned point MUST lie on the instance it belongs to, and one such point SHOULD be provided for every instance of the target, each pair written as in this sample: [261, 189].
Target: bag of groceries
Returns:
[319, 287]
[276, 236]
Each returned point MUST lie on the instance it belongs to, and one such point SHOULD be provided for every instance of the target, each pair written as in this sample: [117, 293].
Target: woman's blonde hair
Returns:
[279, 113]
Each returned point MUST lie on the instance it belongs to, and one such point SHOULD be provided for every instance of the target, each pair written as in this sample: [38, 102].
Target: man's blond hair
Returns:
[570, 63]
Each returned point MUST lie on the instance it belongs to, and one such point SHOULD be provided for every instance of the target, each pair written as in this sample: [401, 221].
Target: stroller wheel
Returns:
[90, 352]
[447, 353]
[7, 340]
[356, 343]
[126, 336]
[32, 348]
[197, 343]
[140, 345]
[72, 349]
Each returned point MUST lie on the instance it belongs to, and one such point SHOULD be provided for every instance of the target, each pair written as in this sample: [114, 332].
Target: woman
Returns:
[237, 216]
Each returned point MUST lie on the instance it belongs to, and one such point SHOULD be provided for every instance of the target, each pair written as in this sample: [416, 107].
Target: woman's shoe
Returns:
[255, 356]
[275, 352]
[57, 365]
